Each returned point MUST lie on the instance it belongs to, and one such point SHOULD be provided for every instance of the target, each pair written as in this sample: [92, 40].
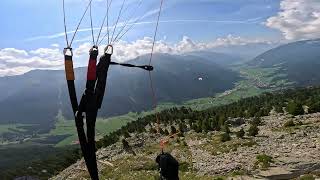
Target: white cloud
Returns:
[50, 54]
[13, 71]
[136, 22]
[298, 19]
[13, 52]
[15, 61]
[55, 45]
[125, 51]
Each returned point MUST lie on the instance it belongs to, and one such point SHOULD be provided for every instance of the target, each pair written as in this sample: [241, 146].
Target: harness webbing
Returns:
[77, 109]
[70, 79]
[88, 100]
[92, 98]
[90, 112]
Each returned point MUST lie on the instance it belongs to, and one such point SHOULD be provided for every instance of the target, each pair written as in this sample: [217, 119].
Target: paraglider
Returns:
[92, 98]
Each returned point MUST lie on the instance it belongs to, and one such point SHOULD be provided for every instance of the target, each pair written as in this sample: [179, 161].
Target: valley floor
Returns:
[294, 153]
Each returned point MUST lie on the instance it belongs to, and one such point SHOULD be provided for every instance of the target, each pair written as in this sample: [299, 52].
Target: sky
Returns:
[32, 34]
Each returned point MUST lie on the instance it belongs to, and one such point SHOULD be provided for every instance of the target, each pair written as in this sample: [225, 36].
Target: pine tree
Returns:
[125, 144]
[279, 109]
[295, 108]
[126, 134]
[253, 130]
[205, 125]
[240, 133]
[166, 132]
[314, 107]
[161, 131]
[153, 130]
[225, 128]
[173, 130]
[256, 121]
[225, 137]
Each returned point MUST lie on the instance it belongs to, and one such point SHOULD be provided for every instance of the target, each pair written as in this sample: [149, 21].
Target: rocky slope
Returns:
[294, 150]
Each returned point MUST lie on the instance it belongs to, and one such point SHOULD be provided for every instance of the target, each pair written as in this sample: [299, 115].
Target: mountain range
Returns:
[37, 96]
[300, 61]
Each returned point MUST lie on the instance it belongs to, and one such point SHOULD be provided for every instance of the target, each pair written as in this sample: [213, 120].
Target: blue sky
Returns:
[26, 19]
[32, 30]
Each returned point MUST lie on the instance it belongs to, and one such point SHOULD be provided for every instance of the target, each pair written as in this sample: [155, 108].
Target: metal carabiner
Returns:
[94, 50]
[68, 51]
[108, 50]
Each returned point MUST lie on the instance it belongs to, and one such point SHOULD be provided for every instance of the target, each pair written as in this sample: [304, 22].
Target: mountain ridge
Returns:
[37, 93]
[298, 60]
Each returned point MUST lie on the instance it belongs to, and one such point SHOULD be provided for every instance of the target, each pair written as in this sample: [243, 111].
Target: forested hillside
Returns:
[178, 119]
[215, 118]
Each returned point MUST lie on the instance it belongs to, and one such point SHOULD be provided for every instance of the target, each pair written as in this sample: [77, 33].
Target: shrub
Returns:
[198, 129]
[161, 131]
[126, 134]
[219, 178]
[253, 130]
[289, 123]
[295, 109]
[166, 132]
[184, 166]
[225, 137]
[307, 177]
[125, 144]
[279, 109]
[256, 121]
[184, 143]
[182, 128]
[226, 129]
[314, 107]
[181, 134]
[264, 160]
[237, 173]
[240, 133]
[173, 130]
[153, 131]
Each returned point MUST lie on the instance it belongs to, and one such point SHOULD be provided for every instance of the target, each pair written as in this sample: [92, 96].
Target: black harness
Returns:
[91, 100]
[168, 166]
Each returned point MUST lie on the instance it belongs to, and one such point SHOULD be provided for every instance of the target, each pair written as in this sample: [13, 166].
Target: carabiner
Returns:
[68, 51]
[94, 51]
[108, 50]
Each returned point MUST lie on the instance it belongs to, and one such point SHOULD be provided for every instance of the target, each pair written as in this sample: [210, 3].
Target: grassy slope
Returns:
[245, 88]
[103, 127]
[7, 128]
